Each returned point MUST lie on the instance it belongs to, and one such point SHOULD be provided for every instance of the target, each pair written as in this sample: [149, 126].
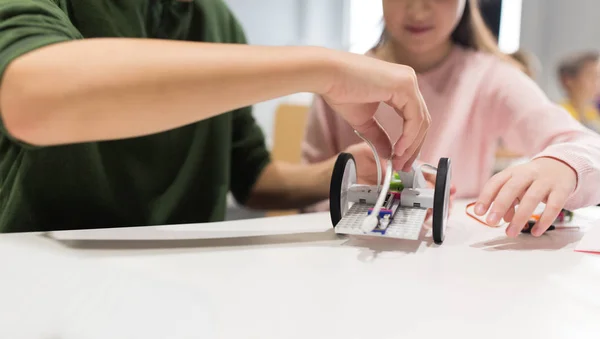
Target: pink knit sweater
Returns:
[476, 100]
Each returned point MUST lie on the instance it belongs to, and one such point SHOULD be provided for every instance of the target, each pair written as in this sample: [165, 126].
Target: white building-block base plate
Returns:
[406, 224]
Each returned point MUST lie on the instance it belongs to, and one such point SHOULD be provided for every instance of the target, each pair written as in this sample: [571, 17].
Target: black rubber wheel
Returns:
[441, 200]
[344, 175]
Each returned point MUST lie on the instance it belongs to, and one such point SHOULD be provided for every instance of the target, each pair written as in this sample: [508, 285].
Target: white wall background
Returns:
[290, 22]
[365, 24]
[554, 28]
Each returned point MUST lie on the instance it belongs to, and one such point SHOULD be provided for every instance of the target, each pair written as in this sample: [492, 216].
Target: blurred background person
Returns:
[598, 89]
[578, 75]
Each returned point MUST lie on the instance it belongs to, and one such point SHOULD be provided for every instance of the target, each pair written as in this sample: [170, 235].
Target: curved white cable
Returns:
[376, 158]
[371, 221]
[431, 167]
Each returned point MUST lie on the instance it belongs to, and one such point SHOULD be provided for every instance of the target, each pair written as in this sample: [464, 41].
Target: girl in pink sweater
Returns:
[476, 97]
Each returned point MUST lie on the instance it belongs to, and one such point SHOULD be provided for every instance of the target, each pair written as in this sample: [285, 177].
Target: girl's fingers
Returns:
[509, 192]
[430, 179]
[510, 214]
[536, 193]
[490, 191]
[511, 211]
[452, 190]
[554, 204]
[428, 214]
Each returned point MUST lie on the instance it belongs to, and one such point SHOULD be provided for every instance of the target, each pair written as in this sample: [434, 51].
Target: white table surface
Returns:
[291, 277]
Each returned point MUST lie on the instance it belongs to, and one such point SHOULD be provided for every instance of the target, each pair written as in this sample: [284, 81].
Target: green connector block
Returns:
[396, 185]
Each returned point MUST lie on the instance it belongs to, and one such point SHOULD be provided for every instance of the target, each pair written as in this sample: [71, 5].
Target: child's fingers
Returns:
[489, 192]
[417, 151]
[414, 130]
[428, 214]
[535, 194]
[554, 204]
[510, 214]
[405, 157]
[511, 211]
[430, 179]
[509, 192]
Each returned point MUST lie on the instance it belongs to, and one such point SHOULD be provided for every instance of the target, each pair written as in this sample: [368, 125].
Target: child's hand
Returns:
[360, 83]
[430, 178]
[542, 180]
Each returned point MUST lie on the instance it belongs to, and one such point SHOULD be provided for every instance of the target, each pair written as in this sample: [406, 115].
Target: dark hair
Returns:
[471, 32]
[571, 65]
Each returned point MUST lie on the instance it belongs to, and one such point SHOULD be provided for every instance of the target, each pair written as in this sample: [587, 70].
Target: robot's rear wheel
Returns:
[441, 200]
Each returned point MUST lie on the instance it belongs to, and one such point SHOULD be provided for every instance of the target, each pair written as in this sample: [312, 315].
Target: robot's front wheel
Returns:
[441, 200]
[343, 176]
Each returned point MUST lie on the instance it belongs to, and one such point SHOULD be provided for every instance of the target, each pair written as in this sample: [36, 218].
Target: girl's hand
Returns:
[544, 180]
[430, 178]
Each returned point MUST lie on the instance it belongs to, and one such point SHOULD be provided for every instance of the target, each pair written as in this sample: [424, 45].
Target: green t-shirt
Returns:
[179, 176]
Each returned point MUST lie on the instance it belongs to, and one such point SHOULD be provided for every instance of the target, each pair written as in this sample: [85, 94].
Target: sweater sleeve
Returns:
[529, 123]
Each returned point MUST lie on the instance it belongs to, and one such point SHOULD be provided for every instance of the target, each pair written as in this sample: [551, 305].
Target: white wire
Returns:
[431, 167]
[371, 221]
[375, 154]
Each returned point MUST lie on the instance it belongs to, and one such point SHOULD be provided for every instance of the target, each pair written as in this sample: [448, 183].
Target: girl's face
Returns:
[420, 26]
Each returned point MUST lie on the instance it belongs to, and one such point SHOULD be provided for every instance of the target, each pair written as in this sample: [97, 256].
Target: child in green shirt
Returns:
[112, 113]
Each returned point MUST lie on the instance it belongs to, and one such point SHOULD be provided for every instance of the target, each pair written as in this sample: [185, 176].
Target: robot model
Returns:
[395, 209]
